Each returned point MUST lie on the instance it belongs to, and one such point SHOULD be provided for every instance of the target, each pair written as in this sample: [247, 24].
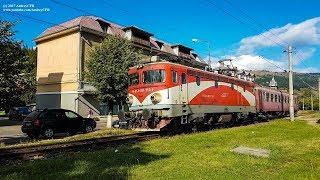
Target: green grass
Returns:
[295, 154]
[95, 134]
[2, 113]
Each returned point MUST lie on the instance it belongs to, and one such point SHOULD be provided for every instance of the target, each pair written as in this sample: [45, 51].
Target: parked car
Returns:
[18, 113]
[51, 121]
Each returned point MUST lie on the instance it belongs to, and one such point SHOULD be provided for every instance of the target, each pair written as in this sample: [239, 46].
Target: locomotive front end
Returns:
[148, 99]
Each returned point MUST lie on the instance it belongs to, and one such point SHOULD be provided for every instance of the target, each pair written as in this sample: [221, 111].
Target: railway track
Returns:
[19, 154]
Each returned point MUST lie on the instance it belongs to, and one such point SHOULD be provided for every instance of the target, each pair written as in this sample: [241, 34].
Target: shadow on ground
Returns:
[7, 122]
[104, 164]
[11, 140]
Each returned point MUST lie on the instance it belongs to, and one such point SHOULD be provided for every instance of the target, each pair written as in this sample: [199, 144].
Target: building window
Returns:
[198, 80]
[174, 76]
[183, 78]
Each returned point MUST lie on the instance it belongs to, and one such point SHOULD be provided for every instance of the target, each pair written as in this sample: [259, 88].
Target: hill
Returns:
[300, 80]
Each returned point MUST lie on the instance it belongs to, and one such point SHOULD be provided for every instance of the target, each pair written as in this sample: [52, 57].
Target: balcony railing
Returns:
[140, 41]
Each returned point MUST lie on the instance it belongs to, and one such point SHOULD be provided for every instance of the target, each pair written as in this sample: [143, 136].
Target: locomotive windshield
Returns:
[133, 79]
[154, 76]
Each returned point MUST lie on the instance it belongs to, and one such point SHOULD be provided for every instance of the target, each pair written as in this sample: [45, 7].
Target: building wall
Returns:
[57, 64]
[57, 72]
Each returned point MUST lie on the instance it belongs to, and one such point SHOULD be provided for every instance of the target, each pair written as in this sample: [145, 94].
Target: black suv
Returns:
[50, 121]
[18, 113]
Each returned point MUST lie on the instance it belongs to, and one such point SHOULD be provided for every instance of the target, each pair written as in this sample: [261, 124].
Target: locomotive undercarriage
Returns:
[187, 121]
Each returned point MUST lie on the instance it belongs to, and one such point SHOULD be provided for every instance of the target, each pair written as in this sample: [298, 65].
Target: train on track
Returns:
[167, 95]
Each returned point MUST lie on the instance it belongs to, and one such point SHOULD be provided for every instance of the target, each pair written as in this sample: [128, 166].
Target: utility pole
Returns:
[291, 109]
[311, 102]
[319, 91]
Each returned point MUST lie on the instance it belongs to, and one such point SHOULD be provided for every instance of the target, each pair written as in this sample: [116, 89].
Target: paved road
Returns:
[10, 131]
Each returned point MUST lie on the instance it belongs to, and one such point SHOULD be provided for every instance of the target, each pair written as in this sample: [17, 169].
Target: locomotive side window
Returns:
[216, 84]
[232, 86]
[183, 78]
[174, 76]
[198, 80]
[133, 79]
[154, 76]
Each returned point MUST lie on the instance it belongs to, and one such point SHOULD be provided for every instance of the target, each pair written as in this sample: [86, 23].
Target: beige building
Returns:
[63, 49]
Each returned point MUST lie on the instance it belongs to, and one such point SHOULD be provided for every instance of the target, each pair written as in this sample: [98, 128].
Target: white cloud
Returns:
[253, 62]
[302, 55]
[303, 34]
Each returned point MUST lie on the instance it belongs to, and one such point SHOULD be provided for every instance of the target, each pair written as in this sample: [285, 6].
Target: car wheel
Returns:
[33, 135]
[48, 133]
[87, 128]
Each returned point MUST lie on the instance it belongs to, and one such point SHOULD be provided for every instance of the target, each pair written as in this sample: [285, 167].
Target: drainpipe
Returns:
[79, 68]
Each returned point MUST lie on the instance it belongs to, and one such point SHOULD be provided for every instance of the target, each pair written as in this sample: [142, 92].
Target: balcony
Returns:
[140, 41]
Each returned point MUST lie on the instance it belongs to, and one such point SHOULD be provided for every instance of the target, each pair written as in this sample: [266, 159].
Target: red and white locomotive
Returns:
[165, 95]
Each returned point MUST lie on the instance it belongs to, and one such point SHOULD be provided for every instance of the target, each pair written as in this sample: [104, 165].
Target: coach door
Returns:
[183, 89]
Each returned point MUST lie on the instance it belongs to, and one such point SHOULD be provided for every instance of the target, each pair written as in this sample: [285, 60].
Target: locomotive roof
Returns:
[195, 69]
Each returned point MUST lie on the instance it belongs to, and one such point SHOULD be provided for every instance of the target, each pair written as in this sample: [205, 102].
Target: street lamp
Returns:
[198, 40]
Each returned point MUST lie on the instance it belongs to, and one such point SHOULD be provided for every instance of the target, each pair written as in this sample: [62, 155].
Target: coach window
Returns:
[198, 80]
[271, 97]
[183, 78]
[275, 98]
[267, 97]
[174, 76]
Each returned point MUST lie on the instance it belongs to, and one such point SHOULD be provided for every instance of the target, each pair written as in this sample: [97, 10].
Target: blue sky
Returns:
[247, 42]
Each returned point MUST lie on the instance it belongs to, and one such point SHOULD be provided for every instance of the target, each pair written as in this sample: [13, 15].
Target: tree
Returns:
[11, 63]
[107, 67]
[29, 75]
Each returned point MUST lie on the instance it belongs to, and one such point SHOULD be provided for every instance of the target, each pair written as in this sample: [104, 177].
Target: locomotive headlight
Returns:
[129, 100]
[156, 98]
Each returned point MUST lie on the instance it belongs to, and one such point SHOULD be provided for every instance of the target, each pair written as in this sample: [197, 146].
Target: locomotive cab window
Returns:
[174, 77]
[154, 76]
[133, 79]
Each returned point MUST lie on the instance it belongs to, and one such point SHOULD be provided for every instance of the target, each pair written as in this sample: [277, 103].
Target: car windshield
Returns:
[154, 76]
[133, 79]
